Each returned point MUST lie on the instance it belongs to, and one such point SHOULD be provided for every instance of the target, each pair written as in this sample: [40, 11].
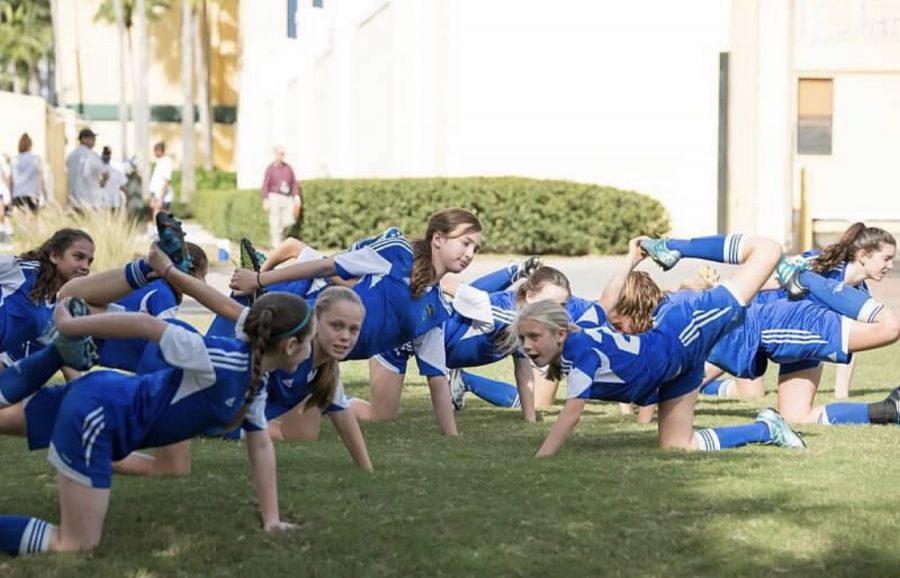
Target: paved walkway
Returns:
[588, 274]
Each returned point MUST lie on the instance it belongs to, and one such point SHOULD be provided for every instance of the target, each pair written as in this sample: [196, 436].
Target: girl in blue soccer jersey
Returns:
[398, 286]
[664, 364]
[316, 384]
[30, 281]
[211, 383]
[478, 323]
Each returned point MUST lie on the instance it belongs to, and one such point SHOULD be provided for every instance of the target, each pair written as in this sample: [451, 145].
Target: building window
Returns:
[318, 3]
[292, 18]
[815, 101]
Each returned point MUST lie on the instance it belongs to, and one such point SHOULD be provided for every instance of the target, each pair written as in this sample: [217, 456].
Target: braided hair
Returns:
[445, 222]
[48, 281]
[273, 318]
[856, 238]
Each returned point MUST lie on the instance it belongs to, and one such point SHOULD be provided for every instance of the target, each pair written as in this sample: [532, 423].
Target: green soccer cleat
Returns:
[77, 352]
[657, 250]
[788, 273]
[171, 241]
[782, 434]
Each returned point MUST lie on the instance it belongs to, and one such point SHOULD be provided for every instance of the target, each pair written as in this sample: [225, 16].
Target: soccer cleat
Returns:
[251, 259]
[782, 434]
[788, 273]
[894, 398]
[457, 389]
[524, 268]
[657, 250]
[77, 352]
[171, 241]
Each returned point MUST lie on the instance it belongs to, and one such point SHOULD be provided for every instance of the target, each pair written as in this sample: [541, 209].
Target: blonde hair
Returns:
[324, 384]
[444, 222]
[639, 300]
[551, 315]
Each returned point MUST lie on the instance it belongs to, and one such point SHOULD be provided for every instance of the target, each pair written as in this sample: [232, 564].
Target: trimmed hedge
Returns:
[520, 215]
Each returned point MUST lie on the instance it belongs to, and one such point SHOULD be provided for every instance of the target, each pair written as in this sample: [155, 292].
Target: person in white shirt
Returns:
[87, 174]
[113, 195]
[28, 189]
[161, 194]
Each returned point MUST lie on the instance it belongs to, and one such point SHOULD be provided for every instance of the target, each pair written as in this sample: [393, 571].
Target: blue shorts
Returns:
[698, 323]
[41, 410]
[396, 359]
[81, 446]
[800, 334]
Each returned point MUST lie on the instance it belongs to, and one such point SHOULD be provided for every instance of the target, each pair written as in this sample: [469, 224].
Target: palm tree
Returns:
[201, 70]
[135, 14]
[26, 37]
[188, 161]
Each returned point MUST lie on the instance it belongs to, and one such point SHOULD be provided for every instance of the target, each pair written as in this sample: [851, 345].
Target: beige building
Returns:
[714, 107]
[88, 78]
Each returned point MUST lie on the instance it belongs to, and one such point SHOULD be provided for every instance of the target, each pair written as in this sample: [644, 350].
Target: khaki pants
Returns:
[281, 216]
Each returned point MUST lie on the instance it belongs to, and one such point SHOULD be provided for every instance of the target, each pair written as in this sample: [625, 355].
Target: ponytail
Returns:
[856, 238]
[446, 222]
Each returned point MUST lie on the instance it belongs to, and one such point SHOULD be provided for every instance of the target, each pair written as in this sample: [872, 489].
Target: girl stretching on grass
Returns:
[399, 288]
[210, 383]
[664, 364]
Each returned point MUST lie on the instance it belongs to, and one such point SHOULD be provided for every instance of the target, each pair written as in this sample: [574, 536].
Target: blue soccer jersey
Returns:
[156, 299]
[661, 364]
[471, 333]
[21, 319]
[105, 415]
[393, 315]
[286, 390]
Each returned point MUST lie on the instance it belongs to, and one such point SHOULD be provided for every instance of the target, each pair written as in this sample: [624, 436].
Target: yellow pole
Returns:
[804, 225]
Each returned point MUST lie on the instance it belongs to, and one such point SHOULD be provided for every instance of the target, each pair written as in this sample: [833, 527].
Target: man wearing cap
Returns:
[87, 174]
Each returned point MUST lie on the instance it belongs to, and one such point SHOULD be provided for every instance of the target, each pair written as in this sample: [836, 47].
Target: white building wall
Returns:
[623, 94]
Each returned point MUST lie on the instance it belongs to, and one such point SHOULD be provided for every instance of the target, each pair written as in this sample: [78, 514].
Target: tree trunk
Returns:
[59, 98]
[188, 161]
[141, 104]
[123, 106]
[201, 68]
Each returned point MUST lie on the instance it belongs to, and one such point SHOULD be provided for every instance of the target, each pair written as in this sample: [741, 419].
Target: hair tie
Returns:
[299, 326]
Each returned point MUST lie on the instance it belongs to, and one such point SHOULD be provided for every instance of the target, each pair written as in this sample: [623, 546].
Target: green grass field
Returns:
[609, 504]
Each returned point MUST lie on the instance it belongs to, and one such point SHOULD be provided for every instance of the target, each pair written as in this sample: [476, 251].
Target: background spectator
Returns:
[28, 189]
[161, 194]
[86, 173]
[281, 197]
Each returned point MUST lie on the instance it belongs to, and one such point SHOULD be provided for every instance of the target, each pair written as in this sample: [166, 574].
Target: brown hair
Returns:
[856, 238]
[48, 283]
[551, 315]
[639, 299]
[325, 382]
[541, 277]
[24, 143]
[444, 222]
[273, 318]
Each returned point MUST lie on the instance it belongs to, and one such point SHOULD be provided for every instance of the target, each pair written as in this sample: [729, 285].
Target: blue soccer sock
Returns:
[722, 438]
[495, 392]
[720, 248]
[496, 280]
[845, 413]
[846, 300]
[136, 273]
[28, 375]
[718, 387]
[24, 535]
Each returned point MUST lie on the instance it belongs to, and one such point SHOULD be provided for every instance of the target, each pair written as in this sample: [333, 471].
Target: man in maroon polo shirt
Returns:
[282, 197]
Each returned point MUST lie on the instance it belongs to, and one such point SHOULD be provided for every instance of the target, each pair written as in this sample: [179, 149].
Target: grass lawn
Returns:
[608, 504]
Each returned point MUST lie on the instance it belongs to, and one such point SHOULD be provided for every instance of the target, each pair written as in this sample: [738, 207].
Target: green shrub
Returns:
[519, 215]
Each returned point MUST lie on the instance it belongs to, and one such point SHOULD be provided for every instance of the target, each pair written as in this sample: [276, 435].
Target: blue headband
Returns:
[299, 326]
